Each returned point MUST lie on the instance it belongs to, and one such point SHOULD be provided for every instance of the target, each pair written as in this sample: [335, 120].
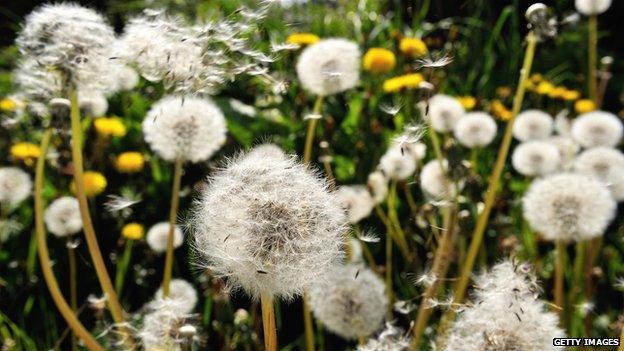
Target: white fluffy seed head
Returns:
[378, 186]
[505, 314]
[330, 66]
[390, 339]
[592, 7]
[433, 181]
[269, 224]
[397, 163]
[70, 39]
[189, 128]
[356, 200]
[351, 303]
[567, 148]
[597, 128]
[92, 103]
[158, 235]
[475, 129]
[62, 217]
[533, 125]
[15, 186]
[605, 164]
[444, 112]
[568, 207]
[160, 327]
[536, 158]
[182, 294]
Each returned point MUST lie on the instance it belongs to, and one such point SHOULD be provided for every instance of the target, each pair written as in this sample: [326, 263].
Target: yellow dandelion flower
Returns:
[302, 38]
[584, 105]
[469, 102]
[544, 88]
[413, 47]
[107, 127]
[499, 110]
[94, 182]
[379, 60]
[25, 151]
[557, 92]
[7, 104]
[133, 231]
[571, 95]
[130, 162]
[407, 81]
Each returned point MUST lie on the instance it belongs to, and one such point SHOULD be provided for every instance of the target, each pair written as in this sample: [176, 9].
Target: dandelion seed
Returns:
[390, 339]
[432, 62]
[368, 236]
[116, 203]
[403, 307]
[390, 109]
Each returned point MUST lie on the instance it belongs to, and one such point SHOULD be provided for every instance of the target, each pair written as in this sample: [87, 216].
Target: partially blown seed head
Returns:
[505, 314]
[568, 207]
[62, 217]
[187, 128]
[182, 294]
[352, 303]
[329, 67]
[269, 224]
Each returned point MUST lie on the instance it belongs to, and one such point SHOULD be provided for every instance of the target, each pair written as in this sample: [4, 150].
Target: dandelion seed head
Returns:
[505, 315]
[433, 180]
[349, 305]
[533, 125]
[71, 40]
[390, 339]
[92, 103]
[597, 128]
[475, 129]
[15, 186]
[592, 7]
[378, 186]
[158, 235]
[356, 200]
[568, 207]
[536, 158]
[161, 326]
[189, 128]
[182, 296]
[269, 224]
[606, 165]
[396, 163]
[444, 112]
[62, 217]
[329, 66]
[355, 253]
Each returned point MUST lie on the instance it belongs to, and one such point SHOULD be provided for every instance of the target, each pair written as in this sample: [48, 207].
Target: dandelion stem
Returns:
[592, 57]
[173, 213]
[122, 267]
[394, 221]
[307, 324]
[268, 322]
[389, 290]
[482, 221]
[558, 289]
[73, 293]
[309, 141]
[89, 230]
[44, 255]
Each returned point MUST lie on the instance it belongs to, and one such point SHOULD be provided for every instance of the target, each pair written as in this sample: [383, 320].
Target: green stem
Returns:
[307, 324]
[73, 293]
[89, 230]
[173, 213]
[268, 322]
[312, 122]
[44, 255]
[482, 221]
[559, 279]
[389, 290]
[592, 57]
[122, 266]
